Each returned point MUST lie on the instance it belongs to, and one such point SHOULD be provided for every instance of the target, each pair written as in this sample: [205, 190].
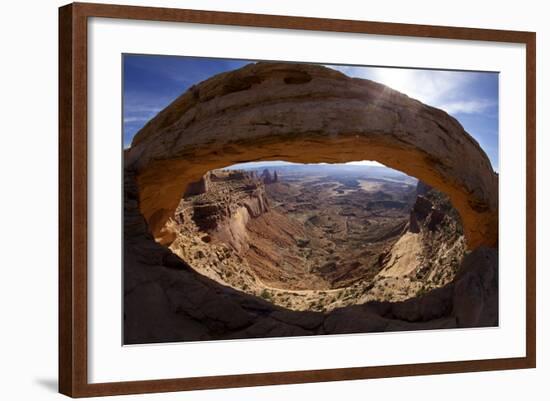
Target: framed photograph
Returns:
[251, 199]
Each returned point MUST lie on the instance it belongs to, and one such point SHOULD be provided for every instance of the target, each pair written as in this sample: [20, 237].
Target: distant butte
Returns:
[304, 114]
[309, 113]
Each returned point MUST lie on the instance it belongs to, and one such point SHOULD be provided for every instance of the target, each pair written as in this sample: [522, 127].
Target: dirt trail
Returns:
[296, 244]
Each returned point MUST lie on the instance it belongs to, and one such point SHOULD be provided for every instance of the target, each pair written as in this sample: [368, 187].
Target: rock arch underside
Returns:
[306, 114]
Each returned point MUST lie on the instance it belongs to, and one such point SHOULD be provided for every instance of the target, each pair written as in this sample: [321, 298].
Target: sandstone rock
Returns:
[207, 216]
[422, 188]
[134, 225]
[198, 187]
[305, 320]
[475, 298]
[435, 219]
[148, 317]
[437, 324]
[414, 227]
[216, 312]
[262, 111]
[230, 200]
[268, 327]
[354, 319]
[266, 177]
[269, 178]
[166, 301]
[435, 304]
[173, 261]
[422, 207]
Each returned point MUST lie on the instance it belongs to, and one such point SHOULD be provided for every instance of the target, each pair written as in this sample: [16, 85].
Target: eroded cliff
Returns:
[349, 248]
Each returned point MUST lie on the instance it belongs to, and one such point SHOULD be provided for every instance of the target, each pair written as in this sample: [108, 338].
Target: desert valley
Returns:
[318, 236]
[252, 209]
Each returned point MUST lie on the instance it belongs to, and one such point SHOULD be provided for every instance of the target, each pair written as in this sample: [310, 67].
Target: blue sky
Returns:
[152, 82]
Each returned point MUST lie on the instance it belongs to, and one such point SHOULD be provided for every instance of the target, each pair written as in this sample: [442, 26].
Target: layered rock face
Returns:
[229, 234]
[299, 113]
[232, 199]
[429, 252]
[309, 113]
[167, 300]
[268, 178]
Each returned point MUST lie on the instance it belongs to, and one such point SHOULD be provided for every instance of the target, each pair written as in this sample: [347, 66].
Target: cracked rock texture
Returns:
[166, 300]
[303, 113]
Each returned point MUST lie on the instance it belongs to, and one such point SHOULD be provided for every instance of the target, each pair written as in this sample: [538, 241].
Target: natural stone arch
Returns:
[308, 113]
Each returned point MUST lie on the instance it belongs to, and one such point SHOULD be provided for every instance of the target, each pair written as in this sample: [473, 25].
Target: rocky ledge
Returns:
[166, 300]
[309, 113]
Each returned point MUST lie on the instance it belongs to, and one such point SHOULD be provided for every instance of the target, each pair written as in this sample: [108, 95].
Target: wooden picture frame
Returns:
[73, 198]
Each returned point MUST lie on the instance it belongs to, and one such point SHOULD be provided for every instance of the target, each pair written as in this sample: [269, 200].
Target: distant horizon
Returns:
[366, 167]
[270, 163]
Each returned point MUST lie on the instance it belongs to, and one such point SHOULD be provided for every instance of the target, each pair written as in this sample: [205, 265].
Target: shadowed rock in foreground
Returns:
[299, 113]
[165, 300]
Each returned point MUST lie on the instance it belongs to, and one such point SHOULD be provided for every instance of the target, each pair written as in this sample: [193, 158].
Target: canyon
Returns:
[212, 253]
[319, 237]
[307, 113]
[169, 298]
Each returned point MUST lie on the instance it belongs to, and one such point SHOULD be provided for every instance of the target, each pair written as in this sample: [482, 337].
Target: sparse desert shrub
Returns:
[421, 291]
[266, 295]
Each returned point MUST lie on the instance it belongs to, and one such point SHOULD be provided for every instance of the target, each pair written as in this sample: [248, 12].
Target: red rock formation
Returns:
[166, 300]
[232, 199]
[198, 187]
[299, 113]
[309, 113]
[266, 177]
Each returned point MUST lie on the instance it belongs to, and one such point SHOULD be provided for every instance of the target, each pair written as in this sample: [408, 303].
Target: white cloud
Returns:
[139, 113]
[475, 106]
[135, 119]
[425, 85]
[441, 89]
[365, 163]
[142, 108]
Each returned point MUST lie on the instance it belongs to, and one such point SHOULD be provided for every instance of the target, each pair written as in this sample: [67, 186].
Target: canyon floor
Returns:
[254, 256]
[242, 254]
[319, 237]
